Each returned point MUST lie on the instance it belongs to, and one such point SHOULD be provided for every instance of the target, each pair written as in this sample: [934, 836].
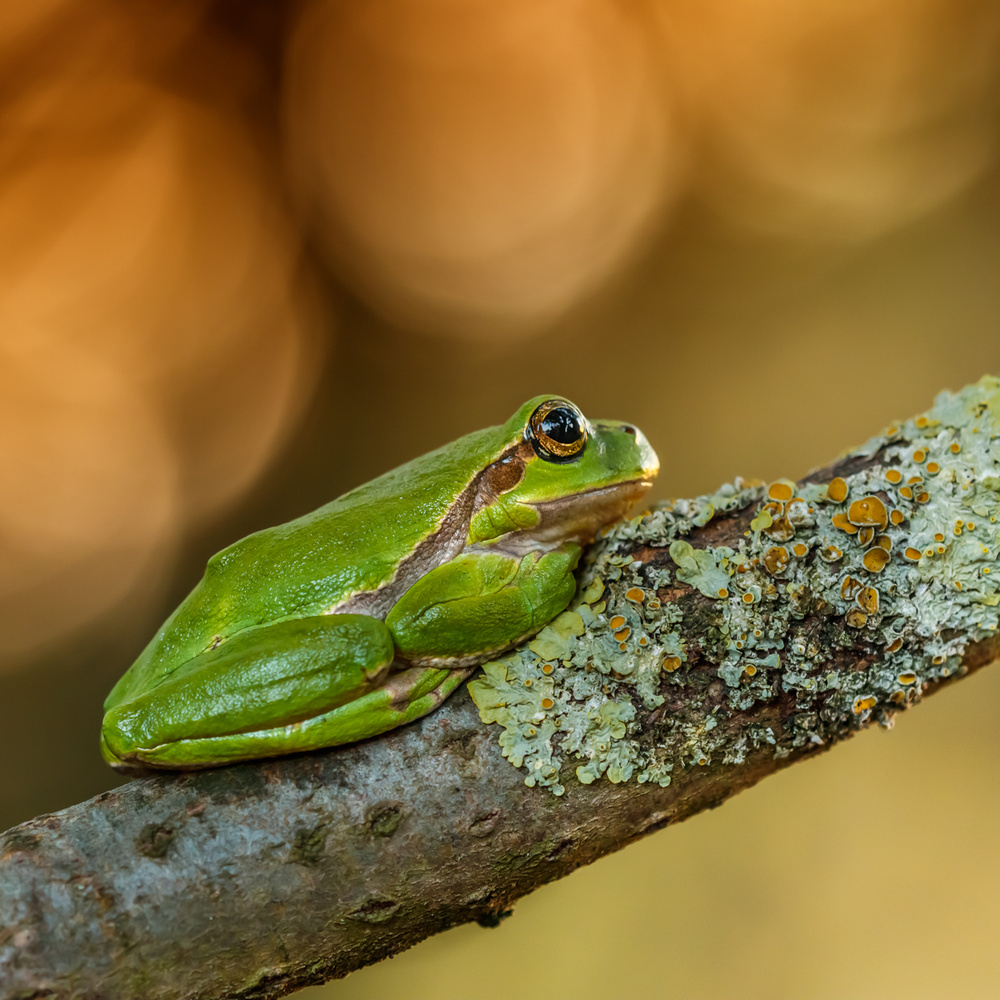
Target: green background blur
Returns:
[252, 254]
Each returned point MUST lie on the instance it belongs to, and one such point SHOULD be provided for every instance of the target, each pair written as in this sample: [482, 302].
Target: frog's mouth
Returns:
[580, 516]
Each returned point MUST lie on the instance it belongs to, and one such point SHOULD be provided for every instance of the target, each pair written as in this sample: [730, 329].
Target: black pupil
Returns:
[561, 425]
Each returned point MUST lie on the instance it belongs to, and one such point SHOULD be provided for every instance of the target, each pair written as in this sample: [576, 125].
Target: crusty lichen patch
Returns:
[839, 602]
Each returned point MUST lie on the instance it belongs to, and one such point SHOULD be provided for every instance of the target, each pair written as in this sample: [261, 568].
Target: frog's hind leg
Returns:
[294, 685]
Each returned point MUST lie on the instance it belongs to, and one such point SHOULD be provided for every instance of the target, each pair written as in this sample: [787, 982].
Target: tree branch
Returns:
[258, 879]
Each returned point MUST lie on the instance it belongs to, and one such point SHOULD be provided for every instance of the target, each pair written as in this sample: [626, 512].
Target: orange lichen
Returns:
[671, 663]
[921, 422]
[907, 678]
[643, 641]
[837, 490]
[723, 592]
[781, 530]
[547, 703]
[856, 618]
[866, 536]
[868, 600]
[635, 594]
[894, 476]
[831, 553]
[841, 521]
[546, 668]
[849, 588]
[776, 559]
[895, 646]
[616, 622]
[800, 550]
[884, 542]
[923, 497]
[779, 491]
[955, 448]
[933, 468]
[938, 537]
[751, 670]
[623, 635]
[906, 493]
[869, 511]
[912, 554]
[915, 479]
[864, 702]
[875, 560]
[920, 456]
[897, 697]
[897, 517]
[748, 598]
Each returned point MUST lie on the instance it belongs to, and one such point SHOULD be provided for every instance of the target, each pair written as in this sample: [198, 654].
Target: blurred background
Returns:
[253, 253]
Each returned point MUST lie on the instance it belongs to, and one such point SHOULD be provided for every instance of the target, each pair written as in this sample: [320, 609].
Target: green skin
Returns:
[369, 612]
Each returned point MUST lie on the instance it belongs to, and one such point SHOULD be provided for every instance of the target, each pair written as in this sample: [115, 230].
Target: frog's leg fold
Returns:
[295, 685]
[481, 603]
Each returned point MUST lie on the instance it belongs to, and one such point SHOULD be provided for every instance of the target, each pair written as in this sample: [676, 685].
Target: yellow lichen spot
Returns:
[527, 682]
[748, 598]
[958, 584]
[933, 468]
[908, 677]
[868, 600]
[856, 618]
[779, 491]
[841, 521]
[546, 668]
[837, 490]
[884, 542]
[970, 525]
[897, 517]
[958, 530]
[869, 511]
[616, 622]
[723, 593]
[635, 594]
[776, 559]
[866, 536]
[547, 703]
[897, 697]
[923, 497]
[938, 537]
[864, 702]
[939, 659]
[921, 422]
[875, 560]
[895, 646]
[906, 493]
[643, 641]
[622, 646]
[892, 430]
[781, 530]
[920, 456]
[894, 476]
[671, 663]
[751, 670]
[702, 761]
[940, 550]
[800, 550]
[831, 553]
[912, 554]
[955, 448]
[849, 588]
[913, 480]
[623, 635]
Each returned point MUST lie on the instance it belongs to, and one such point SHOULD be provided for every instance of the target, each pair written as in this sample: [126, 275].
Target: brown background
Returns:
[252, 254]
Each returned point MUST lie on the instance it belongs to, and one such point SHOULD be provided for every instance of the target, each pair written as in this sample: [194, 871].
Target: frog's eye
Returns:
[557, 431]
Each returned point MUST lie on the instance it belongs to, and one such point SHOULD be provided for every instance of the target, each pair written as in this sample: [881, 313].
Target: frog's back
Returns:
[352, 545]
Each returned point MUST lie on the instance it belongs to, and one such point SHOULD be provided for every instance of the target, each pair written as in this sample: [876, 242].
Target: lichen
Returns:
[843, 600]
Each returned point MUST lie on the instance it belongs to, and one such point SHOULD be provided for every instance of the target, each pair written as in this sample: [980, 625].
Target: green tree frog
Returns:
[369, 612]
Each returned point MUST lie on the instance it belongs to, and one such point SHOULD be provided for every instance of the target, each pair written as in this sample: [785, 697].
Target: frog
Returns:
[365, 614]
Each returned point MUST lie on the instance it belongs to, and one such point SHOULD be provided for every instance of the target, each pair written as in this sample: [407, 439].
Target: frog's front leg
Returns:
[482, 603]
[295, 685]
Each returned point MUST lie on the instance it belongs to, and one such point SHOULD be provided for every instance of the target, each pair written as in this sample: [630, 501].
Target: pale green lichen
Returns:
[784, 615]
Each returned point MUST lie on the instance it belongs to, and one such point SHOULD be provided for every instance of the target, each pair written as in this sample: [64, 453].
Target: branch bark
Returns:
[259, 879]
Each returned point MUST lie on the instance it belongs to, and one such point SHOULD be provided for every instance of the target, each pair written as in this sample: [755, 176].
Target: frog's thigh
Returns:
[265, 679]
[482, 602]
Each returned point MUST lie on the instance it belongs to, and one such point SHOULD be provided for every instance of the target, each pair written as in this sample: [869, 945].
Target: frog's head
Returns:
[561, 476]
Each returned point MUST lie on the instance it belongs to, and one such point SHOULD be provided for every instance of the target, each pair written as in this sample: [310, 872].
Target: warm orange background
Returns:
[253, 253]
